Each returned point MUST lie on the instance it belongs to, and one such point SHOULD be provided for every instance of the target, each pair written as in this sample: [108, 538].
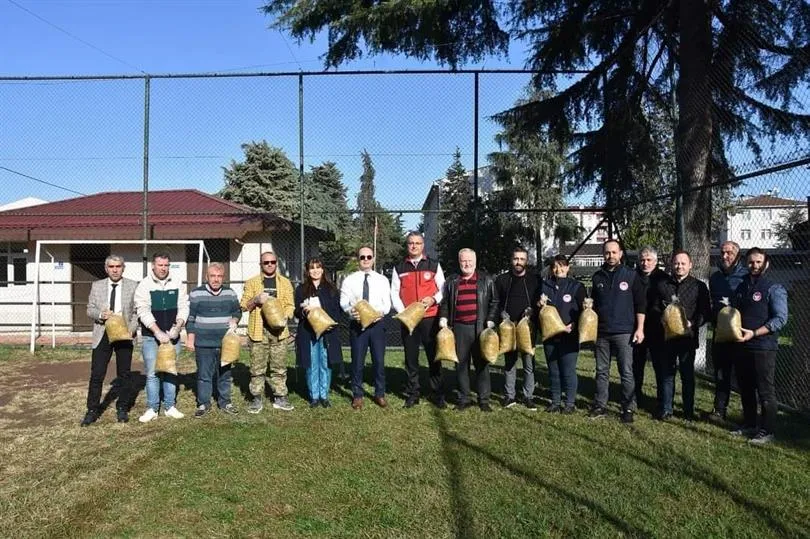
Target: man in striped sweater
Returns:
[470, 304]
[213, 311]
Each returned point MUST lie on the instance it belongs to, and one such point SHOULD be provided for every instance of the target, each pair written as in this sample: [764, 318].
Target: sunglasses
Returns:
[269, 262]
[365, 257]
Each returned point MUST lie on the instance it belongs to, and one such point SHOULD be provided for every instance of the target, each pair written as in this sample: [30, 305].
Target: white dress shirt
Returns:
[119, 292]
[379, 291]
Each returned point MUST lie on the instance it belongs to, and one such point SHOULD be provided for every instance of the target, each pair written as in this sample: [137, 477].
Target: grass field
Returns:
[380, 473]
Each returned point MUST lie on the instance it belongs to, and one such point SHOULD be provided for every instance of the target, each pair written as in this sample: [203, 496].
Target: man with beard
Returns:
[722, 284]
[763, 306]
[649, 274]
[516, 292]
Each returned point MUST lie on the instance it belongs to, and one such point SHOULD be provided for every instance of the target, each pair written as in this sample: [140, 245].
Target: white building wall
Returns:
[754, 226]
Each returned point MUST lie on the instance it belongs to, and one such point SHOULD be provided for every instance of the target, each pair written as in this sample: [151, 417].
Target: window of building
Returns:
[13, 264]
[745, 234]
[766, 234]
[20, 271]
[747, 215]
[3, 271]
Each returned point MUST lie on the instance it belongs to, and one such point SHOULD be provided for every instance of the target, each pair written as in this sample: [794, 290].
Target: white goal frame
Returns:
[37, 260]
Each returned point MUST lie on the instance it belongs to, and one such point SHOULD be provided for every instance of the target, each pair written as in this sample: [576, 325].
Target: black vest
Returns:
[752, 299]
[563, 295]
[613, 300]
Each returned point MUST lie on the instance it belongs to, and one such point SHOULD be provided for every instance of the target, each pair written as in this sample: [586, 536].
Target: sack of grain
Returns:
[588, 322]
[674, 320]
[506, 335]
[273, 313]
[116, 328]
[368, 314]
[412, 315]
[490, 345]
[523, 334]
[229, 349]
[320, 321]
[551, 324]
[729, 324]
[166, 359]
[446, 346]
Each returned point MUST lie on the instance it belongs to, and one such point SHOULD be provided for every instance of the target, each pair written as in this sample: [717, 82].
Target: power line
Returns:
[73, 36]
[42, 181]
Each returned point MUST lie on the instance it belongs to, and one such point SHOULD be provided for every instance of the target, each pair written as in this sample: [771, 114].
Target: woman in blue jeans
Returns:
[316, 354]
[562, 351]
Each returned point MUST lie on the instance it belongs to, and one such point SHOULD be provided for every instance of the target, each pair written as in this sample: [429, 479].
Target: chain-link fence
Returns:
[316, 164]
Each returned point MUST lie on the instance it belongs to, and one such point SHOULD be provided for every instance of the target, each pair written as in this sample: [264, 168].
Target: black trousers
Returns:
[423, 335]
[468, 351]
[98, 370]
[755, 375]
[641, 352]
[723, 362]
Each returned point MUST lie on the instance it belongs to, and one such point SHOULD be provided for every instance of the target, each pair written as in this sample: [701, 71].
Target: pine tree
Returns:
[456, 222]
[265, 180]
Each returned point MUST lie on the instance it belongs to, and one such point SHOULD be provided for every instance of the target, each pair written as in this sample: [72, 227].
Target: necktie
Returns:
[365, 287]
[112, 297]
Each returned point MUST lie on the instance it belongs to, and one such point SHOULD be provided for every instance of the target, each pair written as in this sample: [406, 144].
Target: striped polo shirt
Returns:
[467, 300]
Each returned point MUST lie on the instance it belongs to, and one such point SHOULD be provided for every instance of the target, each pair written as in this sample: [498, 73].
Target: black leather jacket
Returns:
[487, 300]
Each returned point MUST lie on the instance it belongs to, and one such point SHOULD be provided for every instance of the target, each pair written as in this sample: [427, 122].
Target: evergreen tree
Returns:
[265, 180]
[328, 208]
[457, 220]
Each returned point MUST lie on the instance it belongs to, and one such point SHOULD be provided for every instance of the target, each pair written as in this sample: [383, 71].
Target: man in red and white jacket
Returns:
[419, 278]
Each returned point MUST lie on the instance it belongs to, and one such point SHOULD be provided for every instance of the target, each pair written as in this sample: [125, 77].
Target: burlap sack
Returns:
[320, 321]
[490, 345]
[166, 359]
[446, 346]
[588, 322]
[729, 324]
[674, 320]
[506, 336]
[116, 328]
[523, 334]
[273, 313]
[551, 324]
[412, 315]
[229, 349]
[368, 314]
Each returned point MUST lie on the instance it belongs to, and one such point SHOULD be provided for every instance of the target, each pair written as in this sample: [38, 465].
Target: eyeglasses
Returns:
[365, 257]
[269, 262]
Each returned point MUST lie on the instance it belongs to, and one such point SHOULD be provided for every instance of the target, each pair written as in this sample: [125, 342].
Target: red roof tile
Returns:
[761, 201]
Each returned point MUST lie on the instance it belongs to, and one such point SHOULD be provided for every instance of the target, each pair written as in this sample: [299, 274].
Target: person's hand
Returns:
[232, 325]
[747, 334]
[305, 307]
[190, 341]
[105, 314]
[490, 324]
[428, 301]
[174, 333]
[261, 298]
[354, 314]
[528, 312]
[638, 336]
[689, 324]
[569, 328]
[442, 322]
[162, 337]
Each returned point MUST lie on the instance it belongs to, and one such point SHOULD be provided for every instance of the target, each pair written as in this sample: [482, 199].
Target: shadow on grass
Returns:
[185, 381]
[672, 461]
[451, 447]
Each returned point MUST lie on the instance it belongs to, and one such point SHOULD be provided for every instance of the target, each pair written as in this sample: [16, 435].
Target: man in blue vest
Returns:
[763, 306]
[619, 300]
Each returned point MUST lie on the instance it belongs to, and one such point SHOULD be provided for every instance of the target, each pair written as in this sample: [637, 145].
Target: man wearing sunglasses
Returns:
[366, 284]
[419, 278]
[268, 346]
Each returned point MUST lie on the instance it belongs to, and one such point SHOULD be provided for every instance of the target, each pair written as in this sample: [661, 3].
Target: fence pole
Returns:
[146, 95]
[301, 161]
[476, 196]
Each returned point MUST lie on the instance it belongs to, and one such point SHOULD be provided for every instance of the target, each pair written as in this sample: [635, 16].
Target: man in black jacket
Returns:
[470, 304]
[679, 352]
[517, 291]
[649, 274]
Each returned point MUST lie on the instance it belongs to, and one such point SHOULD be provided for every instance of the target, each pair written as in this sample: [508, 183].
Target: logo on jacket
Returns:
[427, 275]
[567, 298]
[624, 286]
[757, 296]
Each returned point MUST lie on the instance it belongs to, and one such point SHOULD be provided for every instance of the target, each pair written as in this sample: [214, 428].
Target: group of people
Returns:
[630, 305]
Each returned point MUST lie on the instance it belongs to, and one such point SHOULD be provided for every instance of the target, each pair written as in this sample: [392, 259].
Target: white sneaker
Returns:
[148, 415]
[174, 413]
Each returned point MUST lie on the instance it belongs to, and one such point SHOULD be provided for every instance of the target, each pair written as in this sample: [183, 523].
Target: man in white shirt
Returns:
[366, 284]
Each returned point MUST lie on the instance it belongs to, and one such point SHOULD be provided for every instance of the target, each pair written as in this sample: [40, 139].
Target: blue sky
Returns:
[88, 136]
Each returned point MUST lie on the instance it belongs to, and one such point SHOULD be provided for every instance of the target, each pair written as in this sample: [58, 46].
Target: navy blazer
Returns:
[305, 336]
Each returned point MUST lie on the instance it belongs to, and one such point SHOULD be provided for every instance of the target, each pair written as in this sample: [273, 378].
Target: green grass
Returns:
[395, 473]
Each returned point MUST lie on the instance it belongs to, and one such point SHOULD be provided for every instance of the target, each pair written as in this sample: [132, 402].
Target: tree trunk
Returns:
[694, 132]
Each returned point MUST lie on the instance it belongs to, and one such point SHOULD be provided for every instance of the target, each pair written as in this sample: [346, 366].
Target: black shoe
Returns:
[554, 409]
[440, 403]
[314, 403]
[663, 416]
[89, 418]
[508, 403]
[462, 406]
[627, 416]
[530, 405]
[597, 412]
[569, 409]
[325, 403]
[123, 416]
[485, 407]
[410, 402]
[689, 416]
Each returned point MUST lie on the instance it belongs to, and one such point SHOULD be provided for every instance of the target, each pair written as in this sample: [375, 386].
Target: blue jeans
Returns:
[208, 370]
[674, 357]
[606, 345]
[154, 381]
[319, 376]
[372, 337]
[561, 357]
[510, 374]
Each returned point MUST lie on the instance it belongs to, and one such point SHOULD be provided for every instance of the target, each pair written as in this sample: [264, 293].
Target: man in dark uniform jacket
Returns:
[649, 273]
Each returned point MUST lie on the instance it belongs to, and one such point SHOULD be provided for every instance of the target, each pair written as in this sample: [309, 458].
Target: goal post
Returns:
[35, 301]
